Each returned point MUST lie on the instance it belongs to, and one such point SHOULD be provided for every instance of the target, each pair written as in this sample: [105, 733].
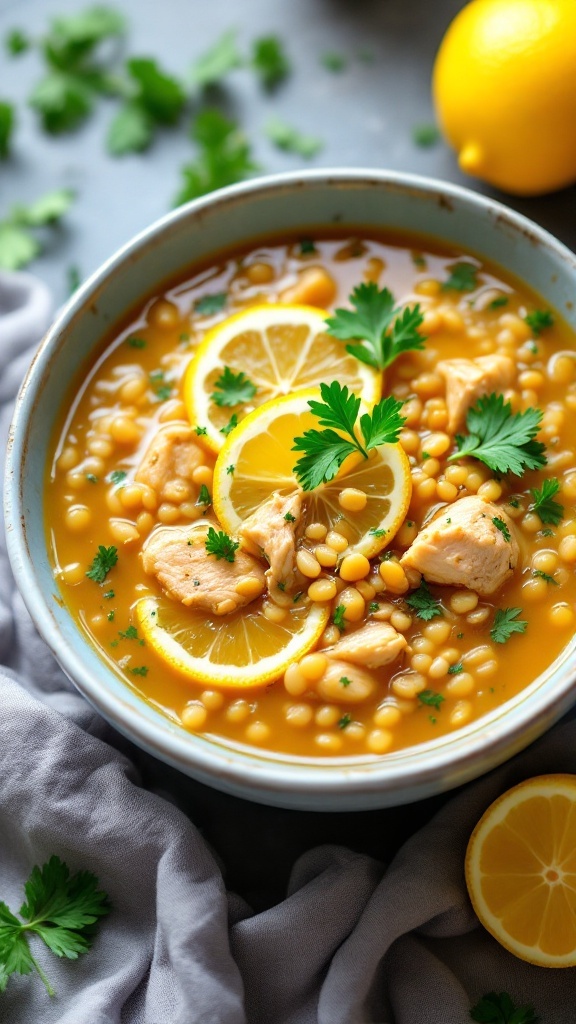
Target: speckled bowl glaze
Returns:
[233, 216]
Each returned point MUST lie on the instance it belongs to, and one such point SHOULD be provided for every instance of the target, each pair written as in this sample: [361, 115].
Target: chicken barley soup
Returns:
[319, 498]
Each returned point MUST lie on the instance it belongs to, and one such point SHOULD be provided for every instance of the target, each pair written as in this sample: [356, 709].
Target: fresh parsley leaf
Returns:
[550, 511]
[289, 139]
[230, 469]
[131, 130]
[16, 42]
[61, 909]
[201, 431]
[232, 422]
[463, 277]
[344, 681]
[204, 497]
[506, 622]
[128, 634]
[425, 135]
[18, 246]
[497, 303]
[290, 518]
[6, 128]
[154, 98]
[456, 669]
[141, 670]
[326, 450]
[269, 61]
[224, 156]
[377, 532]
[498, 1008]
[338, 617]
[503, 440]
[373, 607]
[215, 64]
[545, 576]
[539, 321]
[91, 478]
[221, 545]
[210, 304]
[501, 525]
[431, 699]
[307, 247]
[117, 476]
[334, 62]
[103, 562]
[344, 721]
[163, 392]
[136, 342]
[383, 330]
[232, 388]
[424, 603]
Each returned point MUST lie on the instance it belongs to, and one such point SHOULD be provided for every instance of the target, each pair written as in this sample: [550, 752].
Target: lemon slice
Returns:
[280, 349]
[521, 870]
[257, 460]
[245, 650]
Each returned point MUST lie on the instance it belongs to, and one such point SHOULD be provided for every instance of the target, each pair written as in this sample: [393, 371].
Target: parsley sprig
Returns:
[18, 242]
[539, 321]
[498, 1008]
[224, 156]
[550, 511]
[61, 909]
[384, 330]
[326, 450]
[424, 603]
[104, 560]
[270, 61]
[221, 545]
[506, 622]
[503, 440]
[232, 388]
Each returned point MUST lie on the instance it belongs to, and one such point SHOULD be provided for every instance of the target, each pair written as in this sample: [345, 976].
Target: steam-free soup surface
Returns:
[451, 666]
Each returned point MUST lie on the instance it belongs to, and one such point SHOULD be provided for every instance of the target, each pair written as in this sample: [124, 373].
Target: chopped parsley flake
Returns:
[463, 277]
[344, 681]
[506, 622]
[111, 615]
[545, 576]
[141, 670]
[425, 135]
[117, 476]
[230, 469]
[307, 247]
[501, 525]
[377, 532]
[431, 699]
[455, 670]
[136, 342]
[109, 595]
[91, 478]
[290, 518]
[539, 321]
[204, 497]
[200, 431]
[103, 562]
[208, 305]
[128, 634]
[221, 545]
[501, 300]
[334, 62]
[550, 511]
[344, 721]
[373, 606]
[232, 422]
[424, 603]
[338, 616]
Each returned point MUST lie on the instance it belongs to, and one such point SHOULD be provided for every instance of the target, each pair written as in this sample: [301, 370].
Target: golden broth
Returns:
[135, 387]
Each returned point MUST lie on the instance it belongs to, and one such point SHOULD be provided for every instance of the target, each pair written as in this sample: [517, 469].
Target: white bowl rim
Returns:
[351, 783]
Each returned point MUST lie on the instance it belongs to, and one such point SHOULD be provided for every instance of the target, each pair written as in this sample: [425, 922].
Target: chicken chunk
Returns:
[177, 557]
[469, 379]
[471, 543]
[271, 532]
[171, 457]
[373, 645]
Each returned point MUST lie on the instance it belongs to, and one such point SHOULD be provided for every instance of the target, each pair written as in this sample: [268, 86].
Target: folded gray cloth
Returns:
[352, 943]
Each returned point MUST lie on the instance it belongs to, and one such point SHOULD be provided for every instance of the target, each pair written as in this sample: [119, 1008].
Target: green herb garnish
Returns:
[344, 681]
[208, 305]
[61, 909]
[117, 476]
[498, 1008]
[232, 388]
[141, 670]
[128, 634]
[425, 135]
[153, 98]
[289, 139]
[232, 422]
[431, 699]
[334, 62]
[463, 277]
[204, 497]
[18, 244]
[103, 562]
[455, 670]
[497, 303]
[7, 121]
[539, 321]
[270, 61]
[545, 576]
[384, 330]
[338, 616]
[506, 622]
[224, 156]
[290, 518]
[344, 721]
[221, 545]
[215, 64]
[501, 525]
[503, 440]
[424, 603]
[326, 450]
[16, 42]
[550, 511]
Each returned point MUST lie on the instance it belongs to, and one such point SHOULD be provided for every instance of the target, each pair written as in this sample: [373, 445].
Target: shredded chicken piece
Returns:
[469, 379]
[177, 557]
[373, 645]
[463, 546]
[172, 456]
[270, 532]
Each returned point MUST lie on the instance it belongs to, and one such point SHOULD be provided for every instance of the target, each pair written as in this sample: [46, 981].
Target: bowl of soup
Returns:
[291, 488]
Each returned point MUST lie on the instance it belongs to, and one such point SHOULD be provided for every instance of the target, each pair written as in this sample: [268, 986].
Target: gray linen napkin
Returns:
[352, 943]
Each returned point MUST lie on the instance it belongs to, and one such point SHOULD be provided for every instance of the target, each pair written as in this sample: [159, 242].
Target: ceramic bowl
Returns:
[194, 233]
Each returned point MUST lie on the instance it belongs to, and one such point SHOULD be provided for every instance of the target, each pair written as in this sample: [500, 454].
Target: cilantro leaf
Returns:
[62, 101]
[204, 497]
[130, 131]
[501, 525]
[424, 603]
[104, 560]
[384, 331]
[269, 61]
[221, 545]
[550, 511]
[503, 440]
[463, 277]
[160, 94]
[539, 320]
[18, 246]
[326, 450]
[224, 158]
[62, 909]
[6, 128]
[232, 422]
[338, 620]
[344, 721]
[289, 139]
[232, 388]
[215, 64]
[431, 699]
[498, 1008]
[210, 304]
[506, 622]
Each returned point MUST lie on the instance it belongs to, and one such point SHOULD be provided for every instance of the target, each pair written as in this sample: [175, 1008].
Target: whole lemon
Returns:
[504, 87]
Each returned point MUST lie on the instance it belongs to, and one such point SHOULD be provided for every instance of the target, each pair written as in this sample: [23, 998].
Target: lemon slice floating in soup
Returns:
[248, 650]
[270, 350]
[366, 503]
